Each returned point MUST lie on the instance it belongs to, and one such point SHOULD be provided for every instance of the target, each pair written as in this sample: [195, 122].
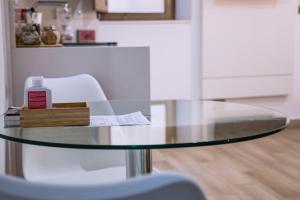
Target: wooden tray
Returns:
[62, 114]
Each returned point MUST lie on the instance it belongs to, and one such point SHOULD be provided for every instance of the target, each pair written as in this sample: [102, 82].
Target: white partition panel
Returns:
[124, 73]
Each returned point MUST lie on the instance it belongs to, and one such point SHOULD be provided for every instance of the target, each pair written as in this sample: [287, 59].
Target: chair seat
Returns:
[102, 176]
[158, 187]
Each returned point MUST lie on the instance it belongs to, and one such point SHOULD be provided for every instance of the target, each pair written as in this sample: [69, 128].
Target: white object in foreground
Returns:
[136, 118]
[162, 186]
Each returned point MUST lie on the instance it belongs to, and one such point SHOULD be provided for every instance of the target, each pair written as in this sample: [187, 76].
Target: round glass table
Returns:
[174, 124]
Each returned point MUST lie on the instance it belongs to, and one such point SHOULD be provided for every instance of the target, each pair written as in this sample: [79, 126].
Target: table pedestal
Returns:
[138, 162]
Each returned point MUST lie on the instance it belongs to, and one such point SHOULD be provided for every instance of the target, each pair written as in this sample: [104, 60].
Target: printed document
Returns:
[136, 118]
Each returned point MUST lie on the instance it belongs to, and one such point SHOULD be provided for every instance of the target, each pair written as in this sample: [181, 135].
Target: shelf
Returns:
[39, 46]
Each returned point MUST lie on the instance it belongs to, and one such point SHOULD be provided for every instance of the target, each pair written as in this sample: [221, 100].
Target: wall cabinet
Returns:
[248, 48]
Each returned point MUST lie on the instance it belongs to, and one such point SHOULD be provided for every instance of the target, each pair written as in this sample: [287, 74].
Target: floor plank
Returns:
[263, 169]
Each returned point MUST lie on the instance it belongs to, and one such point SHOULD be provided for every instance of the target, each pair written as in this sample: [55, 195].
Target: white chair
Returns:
[158, 187]
[77, 88]
[71, 166]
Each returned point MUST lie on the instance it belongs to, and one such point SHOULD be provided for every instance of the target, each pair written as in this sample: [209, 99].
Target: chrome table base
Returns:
[138, 163]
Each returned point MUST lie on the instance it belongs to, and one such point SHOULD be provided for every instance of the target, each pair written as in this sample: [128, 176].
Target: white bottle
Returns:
[38, 96]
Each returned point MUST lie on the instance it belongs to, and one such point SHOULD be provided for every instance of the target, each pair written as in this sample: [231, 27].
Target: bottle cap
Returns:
[37, 81]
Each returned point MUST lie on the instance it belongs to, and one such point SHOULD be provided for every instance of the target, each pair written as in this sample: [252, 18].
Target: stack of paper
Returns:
[12, 117]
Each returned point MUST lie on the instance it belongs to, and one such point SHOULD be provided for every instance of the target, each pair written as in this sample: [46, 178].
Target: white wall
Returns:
[2, 81]
[170, 51]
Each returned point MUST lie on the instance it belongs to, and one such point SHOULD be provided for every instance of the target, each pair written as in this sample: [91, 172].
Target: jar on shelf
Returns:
[68, 34]
[29, 35]
[18, 32]
[50, 35]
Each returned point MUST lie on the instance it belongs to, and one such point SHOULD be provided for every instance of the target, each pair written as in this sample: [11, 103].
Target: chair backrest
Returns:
[50, 161]
[78, 88]
[158, 187]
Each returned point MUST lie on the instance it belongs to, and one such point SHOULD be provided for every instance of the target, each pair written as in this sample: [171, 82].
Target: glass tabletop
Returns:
[174, 123]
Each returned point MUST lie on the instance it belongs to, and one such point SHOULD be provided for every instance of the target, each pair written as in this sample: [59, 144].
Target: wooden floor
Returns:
[267, 168]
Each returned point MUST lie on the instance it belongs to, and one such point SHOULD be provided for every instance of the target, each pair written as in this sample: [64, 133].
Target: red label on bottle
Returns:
[37, 100]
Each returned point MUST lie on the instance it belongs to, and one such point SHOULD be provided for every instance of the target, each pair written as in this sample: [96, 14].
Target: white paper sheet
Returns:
[136, 118]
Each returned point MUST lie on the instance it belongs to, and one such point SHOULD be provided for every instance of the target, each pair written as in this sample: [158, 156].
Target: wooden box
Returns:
[61, 114]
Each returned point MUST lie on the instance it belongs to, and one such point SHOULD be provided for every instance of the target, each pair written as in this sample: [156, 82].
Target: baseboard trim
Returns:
[295, 123]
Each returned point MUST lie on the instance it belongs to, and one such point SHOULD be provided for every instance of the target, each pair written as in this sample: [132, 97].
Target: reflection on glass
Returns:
[173, 124]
